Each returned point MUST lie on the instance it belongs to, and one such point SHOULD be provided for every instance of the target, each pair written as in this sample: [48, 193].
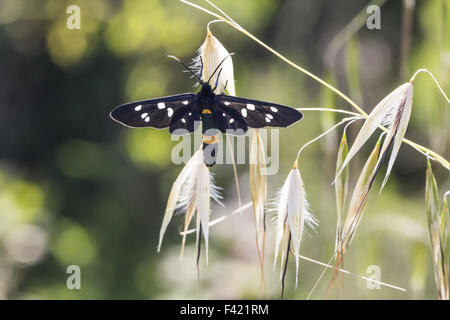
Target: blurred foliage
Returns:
[77, 188]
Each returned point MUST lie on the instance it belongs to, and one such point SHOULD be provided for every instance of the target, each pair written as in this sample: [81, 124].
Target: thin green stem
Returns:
[433, 77]
[327, 132]
[222, 218]
[342, 37]
[446, 194]
[330, 110]
[351, 273]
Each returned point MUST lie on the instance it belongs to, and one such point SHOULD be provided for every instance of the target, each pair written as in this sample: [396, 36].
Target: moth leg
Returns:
[225, 87]
[217, 80]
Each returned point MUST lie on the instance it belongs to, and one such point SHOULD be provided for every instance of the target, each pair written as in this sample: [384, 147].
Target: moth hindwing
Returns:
[234, 113]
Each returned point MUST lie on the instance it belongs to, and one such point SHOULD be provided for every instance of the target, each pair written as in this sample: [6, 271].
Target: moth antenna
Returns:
[219, 66]
[187, 68]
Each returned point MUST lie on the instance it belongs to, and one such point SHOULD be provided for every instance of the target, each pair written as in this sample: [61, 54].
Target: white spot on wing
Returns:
[267, 119]
[185, 102]
[144, 115]
[190, 113]
[182, 120]
[226, 103]
[138, 108]
[268, 115]
[231, 120]
[161, 105]
[169, 112]
[244, 112]
[147, 119]
[223, 114]
[250, 106]
[274, 109]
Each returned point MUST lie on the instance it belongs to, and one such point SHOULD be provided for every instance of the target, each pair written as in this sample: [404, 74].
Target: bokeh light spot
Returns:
[74, 245]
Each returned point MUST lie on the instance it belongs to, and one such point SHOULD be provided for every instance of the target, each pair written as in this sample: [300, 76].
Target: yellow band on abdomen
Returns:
[210, 139]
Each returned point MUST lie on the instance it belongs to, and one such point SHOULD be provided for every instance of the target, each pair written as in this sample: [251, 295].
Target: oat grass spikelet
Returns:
[210, 54]
[359, 198]
[292, 213]
[394, 112]
[340, 187]
[191, 194]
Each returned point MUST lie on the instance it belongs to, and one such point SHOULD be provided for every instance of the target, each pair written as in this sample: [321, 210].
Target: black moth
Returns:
[183, 112]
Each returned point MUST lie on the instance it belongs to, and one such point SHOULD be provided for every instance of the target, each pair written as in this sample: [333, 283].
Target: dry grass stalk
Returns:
[258, 189]
[437, 226]
[445, 227]
[340, 188]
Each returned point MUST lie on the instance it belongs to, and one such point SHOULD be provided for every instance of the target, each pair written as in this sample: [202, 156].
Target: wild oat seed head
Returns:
[212, 52]
[191, 192]
[393, 112]
[292, 213]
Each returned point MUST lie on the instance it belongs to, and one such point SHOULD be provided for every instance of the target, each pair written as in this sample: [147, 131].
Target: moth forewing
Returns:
[157, 113]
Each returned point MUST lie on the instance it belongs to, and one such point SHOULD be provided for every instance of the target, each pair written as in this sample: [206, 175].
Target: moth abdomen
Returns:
[210, 148]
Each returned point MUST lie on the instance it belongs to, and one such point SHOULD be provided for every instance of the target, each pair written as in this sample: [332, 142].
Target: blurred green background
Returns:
[77, 188]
